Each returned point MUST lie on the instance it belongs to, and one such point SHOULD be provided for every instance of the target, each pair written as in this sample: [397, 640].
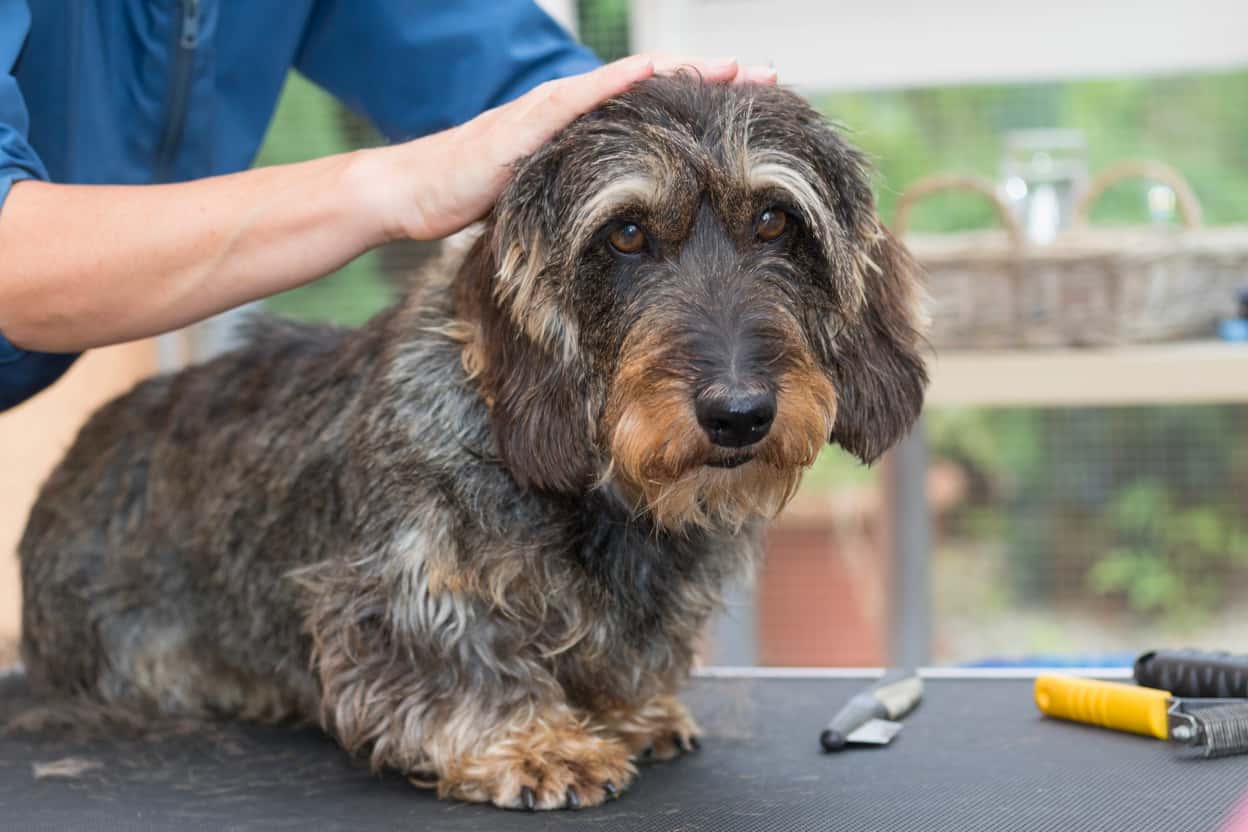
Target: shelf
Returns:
[1188, 372]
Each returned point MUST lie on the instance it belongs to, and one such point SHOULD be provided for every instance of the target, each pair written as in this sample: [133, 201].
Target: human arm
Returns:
[88, 265]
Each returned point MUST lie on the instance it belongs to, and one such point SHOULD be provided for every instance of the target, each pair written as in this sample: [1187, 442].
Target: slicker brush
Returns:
[1219, 727]
[1219, 730]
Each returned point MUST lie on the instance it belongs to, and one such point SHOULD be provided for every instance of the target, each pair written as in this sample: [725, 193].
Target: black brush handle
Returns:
[1195, 674]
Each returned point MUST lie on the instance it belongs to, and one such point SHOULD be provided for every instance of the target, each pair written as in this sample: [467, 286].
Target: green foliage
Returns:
[991, 440]
[835, 469]
[604, 27]
[305, 125]
[309, 124]
[1192, 122]
[1143, 504]
[1173, 559]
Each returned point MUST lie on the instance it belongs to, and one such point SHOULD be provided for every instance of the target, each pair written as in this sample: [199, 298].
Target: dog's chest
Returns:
[654, 591]
[644, 601]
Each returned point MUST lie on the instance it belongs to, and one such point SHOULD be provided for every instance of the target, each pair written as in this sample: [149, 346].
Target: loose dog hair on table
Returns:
[478, 538]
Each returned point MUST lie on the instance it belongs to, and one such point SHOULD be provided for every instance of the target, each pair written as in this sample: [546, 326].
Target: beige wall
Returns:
[35, 435]
[821, 45]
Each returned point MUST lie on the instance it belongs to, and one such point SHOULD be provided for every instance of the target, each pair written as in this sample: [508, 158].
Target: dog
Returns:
[477, 539]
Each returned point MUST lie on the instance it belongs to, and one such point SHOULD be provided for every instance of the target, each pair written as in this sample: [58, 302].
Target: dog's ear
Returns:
[537, 409]
[877, 368]
[876, 362]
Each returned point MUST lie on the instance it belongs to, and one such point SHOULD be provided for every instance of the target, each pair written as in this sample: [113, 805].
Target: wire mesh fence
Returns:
[1085, 531]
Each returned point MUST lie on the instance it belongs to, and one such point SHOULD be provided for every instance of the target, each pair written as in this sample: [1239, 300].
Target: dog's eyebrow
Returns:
[626, 190]
[785, 172]
[771, 169]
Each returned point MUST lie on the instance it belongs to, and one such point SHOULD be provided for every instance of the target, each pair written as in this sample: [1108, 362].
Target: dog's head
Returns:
[683, 296]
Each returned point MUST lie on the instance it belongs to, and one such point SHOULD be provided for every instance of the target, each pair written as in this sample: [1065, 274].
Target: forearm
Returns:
[87, 265]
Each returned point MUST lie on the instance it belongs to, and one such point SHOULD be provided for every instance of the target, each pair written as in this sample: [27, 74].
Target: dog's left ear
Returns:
[876, 362]
[878, 369]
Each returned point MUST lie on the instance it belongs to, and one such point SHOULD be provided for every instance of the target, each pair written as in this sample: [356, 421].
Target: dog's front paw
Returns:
[661, 729]
[559, 764]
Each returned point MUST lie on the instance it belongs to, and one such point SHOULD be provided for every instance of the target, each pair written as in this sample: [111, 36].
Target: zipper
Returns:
[179, 88]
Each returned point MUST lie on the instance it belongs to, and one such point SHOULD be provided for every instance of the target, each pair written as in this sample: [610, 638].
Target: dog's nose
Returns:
[736, 418]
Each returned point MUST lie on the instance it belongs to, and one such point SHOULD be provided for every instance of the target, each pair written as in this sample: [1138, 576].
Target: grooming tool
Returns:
[1219, 727]
[1194, 673]
[870, 717]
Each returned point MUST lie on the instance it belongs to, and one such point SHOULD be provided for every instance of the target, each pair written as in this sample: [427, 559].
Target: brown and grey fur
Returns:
[477, 538]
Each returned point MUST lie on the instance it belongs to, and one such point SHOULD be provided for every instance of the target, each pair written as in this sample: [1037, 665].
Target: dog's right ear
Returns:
[519, 234]
[537, 408]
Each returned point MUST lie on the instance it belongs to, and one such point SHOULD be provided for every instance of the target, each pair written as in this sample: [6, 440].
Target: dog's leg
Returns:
[532, 753]
[541, 756]
[429, 683]
[660, 729]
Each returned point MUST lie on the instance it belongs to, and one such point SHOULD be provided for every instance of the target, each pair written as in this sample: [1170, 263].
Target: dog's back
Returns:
[126, 534]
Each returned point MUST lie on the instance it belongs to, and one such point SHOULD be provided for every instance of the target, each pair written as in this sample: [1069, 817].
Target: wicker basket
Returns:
[1089, 287]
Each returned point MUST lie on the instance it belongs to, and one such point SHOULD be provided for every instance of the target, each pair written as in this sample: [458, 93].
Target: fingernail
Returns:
[758, 75]
[642, 64]
[721, 63]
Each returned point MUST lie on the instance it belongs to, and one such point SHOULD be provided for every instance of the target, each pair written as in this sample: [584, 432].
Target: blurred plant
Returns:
[1189, 121]
[604, 27]
[1145, 504]
[835, 470]
[1172, 560]
[310, 123]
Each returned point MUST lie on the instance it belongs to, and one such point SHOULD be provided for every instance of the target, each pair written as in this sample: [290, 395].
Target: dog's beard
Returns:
[663, 463]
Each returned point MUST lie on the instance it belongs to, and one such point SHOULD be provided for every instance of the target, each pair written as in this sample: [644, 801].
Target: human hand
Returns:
[450, 179]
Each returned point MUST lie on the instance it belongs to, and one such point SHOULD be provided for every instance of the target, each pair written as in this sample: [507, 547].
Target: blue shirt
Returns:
[143, 91]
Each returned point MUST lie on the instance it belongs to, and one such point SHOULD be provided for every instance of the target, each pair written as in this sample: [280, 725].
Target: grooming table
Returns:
[975, 756]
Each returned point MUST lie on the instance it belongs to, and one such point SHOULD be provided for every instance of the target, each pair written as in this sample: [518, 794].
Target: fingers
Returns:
[715, 71]
[756, 75]
[567, 98]
[556, 103]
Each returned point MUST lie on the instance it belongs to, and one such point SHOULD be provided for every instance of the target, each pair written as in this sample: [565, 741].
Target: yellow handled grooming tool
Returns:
[1218, 726]
[1113, 705]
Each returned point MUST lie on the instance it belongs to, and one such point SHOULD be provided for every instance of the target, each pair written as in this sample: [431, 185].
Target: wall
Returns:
[820, 44]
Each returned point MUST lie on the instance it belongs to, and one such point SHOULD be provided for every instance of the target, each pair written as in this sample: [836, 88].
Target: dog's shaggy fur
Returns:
[477, 538]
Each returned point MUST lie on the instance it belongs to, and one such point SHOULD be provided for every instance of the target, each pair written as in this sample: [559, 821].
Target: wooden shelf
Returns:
[1189, 372]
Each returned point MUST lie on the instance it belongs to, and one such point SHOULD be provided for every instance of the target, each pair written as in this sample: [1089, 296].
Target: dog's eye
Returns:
[627, 238]
[771, 224]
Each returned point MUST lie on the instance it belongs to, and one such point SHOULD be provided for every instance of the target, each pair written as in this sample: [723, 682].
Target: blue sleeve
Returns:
[22, 374]
[17, 158]
[414, 67]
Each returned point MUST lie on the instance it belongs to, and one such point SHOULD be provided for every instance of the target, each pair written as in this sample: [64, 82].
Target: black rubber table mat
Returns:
[974, 756]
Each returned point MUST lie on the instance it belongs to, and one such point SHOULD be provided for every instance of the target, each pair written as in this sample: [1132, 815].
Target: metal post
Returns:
[911, 542]
[734, 633]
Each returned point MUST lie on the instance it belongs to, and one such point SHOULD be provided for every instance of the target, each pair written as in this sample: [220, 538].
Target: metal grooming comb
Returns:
[1219, 727]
